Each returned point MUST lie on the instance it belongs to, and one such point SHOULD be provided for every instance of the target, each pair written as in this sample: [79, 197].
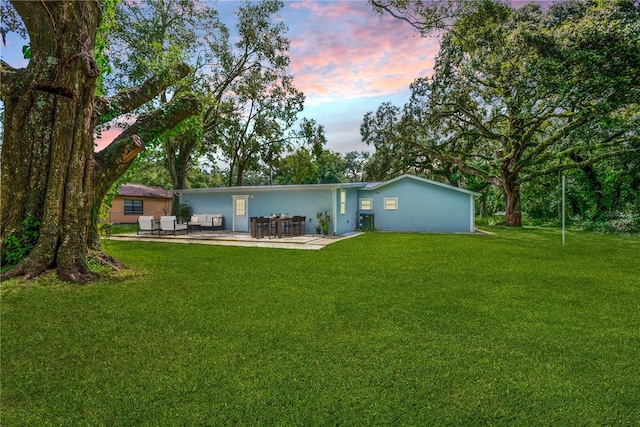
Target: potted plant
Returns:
[324, 219]
[184, 212]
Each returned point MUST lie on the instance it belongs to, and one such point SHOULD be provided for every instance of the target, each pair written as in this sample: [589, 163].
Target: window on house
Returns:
[390, 203]
[343, 202]
[133, 207]
[366, 204]
[241, 207]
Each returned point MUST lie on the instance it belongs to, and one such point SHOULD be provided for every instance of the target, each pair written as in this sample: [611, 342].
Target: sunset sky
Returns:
[345, 58]
[348, 60]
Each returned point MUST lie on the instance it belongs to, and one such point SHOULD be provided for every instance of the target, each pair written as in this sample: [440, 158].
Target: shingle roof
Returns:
[137, 190]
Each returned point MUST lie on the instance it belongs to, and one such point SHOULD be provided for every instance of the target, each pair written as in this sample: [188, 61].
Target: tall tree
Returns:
[311, 162]
[297, 168]
[254, 124]
[515, 91]
[225, 64]
[253, 100]
[354, 162]
[51, 174]
[385, 130]
[157, 34]
[329, 166]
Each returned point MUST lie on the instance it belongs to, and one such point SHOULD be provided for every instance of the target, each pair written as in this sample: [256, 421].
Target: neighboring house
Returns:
[134, 200]
[405, 203]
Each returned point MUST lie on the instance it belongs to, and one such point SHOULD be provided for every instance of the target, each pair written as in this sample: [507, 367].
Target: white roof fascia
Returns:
[287, 187]
[425, 180]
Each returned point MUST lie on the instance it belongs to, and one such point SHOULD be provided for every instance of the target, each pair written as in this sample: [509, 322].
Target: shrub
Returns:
[614, 222]
[18, 245]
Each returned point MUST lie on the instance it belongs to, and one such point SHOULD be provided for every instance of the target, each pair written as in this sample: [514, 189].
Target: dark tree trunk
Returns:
[49, 169]
[232, 168]
[511, 192]
[240, 173]
[179, 149]
[47, 157]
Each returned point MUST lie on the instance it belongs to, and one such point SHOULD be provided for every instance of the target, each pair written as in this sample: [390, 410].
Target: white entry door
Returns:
[240, 213]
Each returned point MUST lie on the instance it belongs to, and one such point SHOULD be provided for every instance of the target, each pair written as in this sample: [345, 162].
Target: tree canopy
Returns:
[521, 93]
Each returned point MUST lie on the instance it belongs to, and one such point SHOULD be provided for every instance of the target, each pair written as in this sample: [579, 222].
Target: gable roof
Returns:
[376, 185]
[137, 190]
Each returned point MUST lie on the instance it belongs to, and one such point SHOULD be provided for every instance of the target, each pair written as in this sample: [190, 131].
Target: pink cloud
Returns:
[342, 50]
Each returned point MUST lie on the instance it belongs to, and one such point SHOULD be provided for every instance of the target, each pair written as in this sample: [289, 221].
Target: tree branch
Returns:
[558, 135]
[132, 98]
[460, 163]
[117, 156]
[8, 77]
[577, 165]
[423, 16]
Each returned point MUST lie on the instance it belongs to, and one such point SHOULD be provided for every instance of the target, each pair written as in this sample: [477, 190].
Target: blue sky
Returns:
[345, 58]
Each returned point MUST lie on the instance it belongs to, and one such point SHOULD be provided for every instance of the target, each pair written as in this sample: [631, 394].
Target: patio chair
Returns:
[170, 223]
[299, 224]
[302, 226]
[146, 224]
[216, 222]
[263, 227]
[287, 226]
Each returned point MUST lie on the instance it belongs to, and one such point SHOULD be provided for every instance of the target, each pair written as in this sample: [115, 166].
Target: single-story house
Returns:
[134, 200]
[405, 203]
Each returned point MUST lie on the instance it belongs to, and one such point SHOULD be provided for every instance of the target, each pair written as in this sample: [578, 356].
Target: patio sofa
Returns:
[170, 224]
[147, 224]
[215, 221]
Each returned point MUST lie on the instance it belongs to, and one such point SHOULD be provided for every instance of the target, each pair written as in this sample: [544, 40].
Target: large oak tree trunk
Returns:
[512, 214]
[49, 169]
[47, 155]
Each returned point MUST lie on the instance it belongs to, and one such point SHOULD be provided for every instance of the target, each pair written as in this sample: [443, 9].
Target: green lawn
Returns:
[382, 329]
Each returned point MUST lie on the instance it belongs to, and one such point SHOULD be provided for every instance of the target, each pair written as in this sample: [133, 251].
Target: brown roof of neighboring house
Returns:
[136, 190]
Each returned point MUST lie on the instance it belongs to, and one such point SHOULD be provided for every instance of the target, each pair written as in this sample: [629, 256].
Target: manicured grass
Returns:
[382, 329]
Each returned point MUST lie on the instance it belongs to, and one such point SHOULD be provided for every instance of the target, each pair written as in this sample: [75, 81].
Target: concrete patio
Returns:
[312, 242]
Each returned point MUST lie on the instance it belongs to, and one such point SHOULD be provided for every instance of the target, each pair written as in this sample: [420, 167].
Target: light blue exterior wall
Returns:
[348, 221]
[421, 206]
[292, 200]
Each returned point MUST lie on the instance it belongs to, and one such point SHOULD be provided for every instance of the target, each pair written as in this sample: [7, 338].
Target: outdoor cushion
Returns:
[208, 220]
[216, 220]
[146, 223]
[170, 223]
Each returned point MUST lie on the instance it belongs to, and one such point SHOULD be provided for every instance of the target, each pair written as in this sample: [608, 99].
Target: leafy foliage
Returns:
[312, 163]
[18, 245]
[254, 102]
[107, 25]
[518, 94]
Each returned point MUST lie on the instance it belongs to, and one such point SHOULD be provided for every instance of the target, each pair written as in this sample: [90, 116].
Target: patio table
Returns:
[192, 226]
[276, 223]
